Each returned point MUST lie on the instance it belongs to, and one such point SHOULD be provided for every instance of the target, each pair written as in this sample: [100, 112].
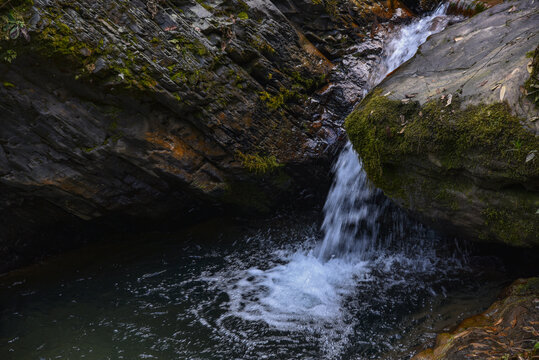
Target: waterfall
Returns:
[365, 239]
[350, 213]
[349, 224]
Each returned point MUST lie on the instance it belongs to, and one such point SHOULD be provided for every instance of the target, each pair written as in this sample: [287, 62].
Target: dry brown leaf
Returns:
[502, 93]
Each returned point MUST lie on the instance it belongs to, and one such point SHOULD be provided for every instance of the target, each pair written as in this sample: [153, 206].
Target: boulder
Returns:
[452, 135]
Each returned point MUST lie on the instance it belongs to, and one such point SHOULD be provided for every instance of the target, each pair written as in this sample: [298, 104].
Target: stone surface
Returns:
[452, 134]
[507, 330]
[147, 109]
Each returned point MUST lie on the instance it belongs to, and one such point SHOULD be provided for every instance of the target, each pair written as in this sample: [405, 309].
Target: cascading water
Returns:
[308, 291]
[351, 216]
[350, 222]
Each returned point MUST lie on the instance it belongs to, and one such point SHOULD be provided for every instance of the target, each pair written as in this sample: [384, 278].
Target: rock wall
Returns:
[149, 109]
[452, 134]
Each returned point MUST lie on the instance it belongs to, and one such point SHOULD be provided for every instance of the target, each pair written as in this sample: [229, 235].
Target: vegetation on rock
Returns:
[485, 141]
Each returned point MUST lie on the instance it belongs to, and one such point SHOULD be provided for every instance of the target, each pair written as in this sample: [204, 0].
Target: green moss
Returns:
[486, 141]
[243, 15]
[532, 84]
[479, 136]
[7, 84]
[205, 6]
[186, 46]
[258, 164]
[278, 100]
[262, 45]
[508, 225]
[308, 83]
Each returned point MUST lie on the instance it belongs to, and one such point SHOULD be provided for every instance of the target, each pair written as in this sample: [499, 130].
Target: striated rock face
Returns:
[453, 134]
[507, 330]
[144, 108]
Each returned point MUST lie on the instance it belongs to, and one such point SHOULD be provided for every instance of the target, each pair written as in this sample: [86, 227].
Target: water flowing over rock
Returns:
[452, 134]
[152, 108]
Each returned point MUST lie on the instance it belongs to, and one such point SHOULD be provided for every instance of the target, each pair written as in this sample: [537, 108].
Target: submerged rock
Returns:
[507, 330]
[452, 134]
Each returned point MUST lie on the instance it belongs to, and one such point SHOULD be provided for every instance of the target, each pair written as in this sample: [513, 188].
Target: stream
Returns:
[369, 283]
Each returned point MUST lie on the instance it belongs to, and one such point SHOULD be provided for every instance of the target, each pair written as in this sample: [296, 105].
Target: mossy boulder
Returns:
[452, 135]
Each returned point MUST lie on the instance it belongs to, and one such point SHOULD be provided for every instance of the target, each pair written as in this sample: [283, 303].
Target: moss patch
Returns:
[424, 157]
[481, 136]
[258, 164]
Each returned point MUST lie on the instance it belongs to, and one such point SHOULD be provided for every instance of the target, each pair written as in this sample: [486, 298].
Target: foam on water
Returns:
[308, 290]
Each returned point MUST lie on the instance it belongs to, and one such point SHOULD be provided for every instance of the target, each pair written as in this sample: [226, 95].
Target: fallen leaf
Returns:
[502, 93]
[531, 156]
[496, 86]
[387, 93]
[478, 345]
[402, 130]
[410, 96]
[458, 38]
[529, 67]
[449, 99]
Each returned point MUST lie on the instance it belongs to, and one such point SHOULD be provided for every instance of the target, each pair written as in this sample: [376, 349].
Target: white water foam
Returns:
[404, 45]
[308, 290]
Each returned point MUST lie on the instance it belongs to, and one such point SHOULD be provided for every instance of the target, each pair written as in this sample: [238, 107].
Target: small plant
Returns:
[9, 55]
[14, 26]
[517, 144]
[258, 164]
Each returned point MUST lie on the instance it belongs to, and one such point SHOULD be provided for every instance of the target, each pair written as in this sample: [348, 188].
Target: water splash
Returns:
[309, 290]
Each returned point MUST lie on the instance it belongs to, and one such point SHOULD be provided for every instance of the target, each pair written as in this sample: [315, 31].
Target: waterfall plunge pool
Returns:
[373, 284]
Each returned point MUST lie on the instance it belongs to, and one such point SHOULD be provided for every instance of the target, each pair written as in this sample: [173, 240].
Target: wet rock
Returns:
[463, 161]
[116, 109]
[506, 330]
